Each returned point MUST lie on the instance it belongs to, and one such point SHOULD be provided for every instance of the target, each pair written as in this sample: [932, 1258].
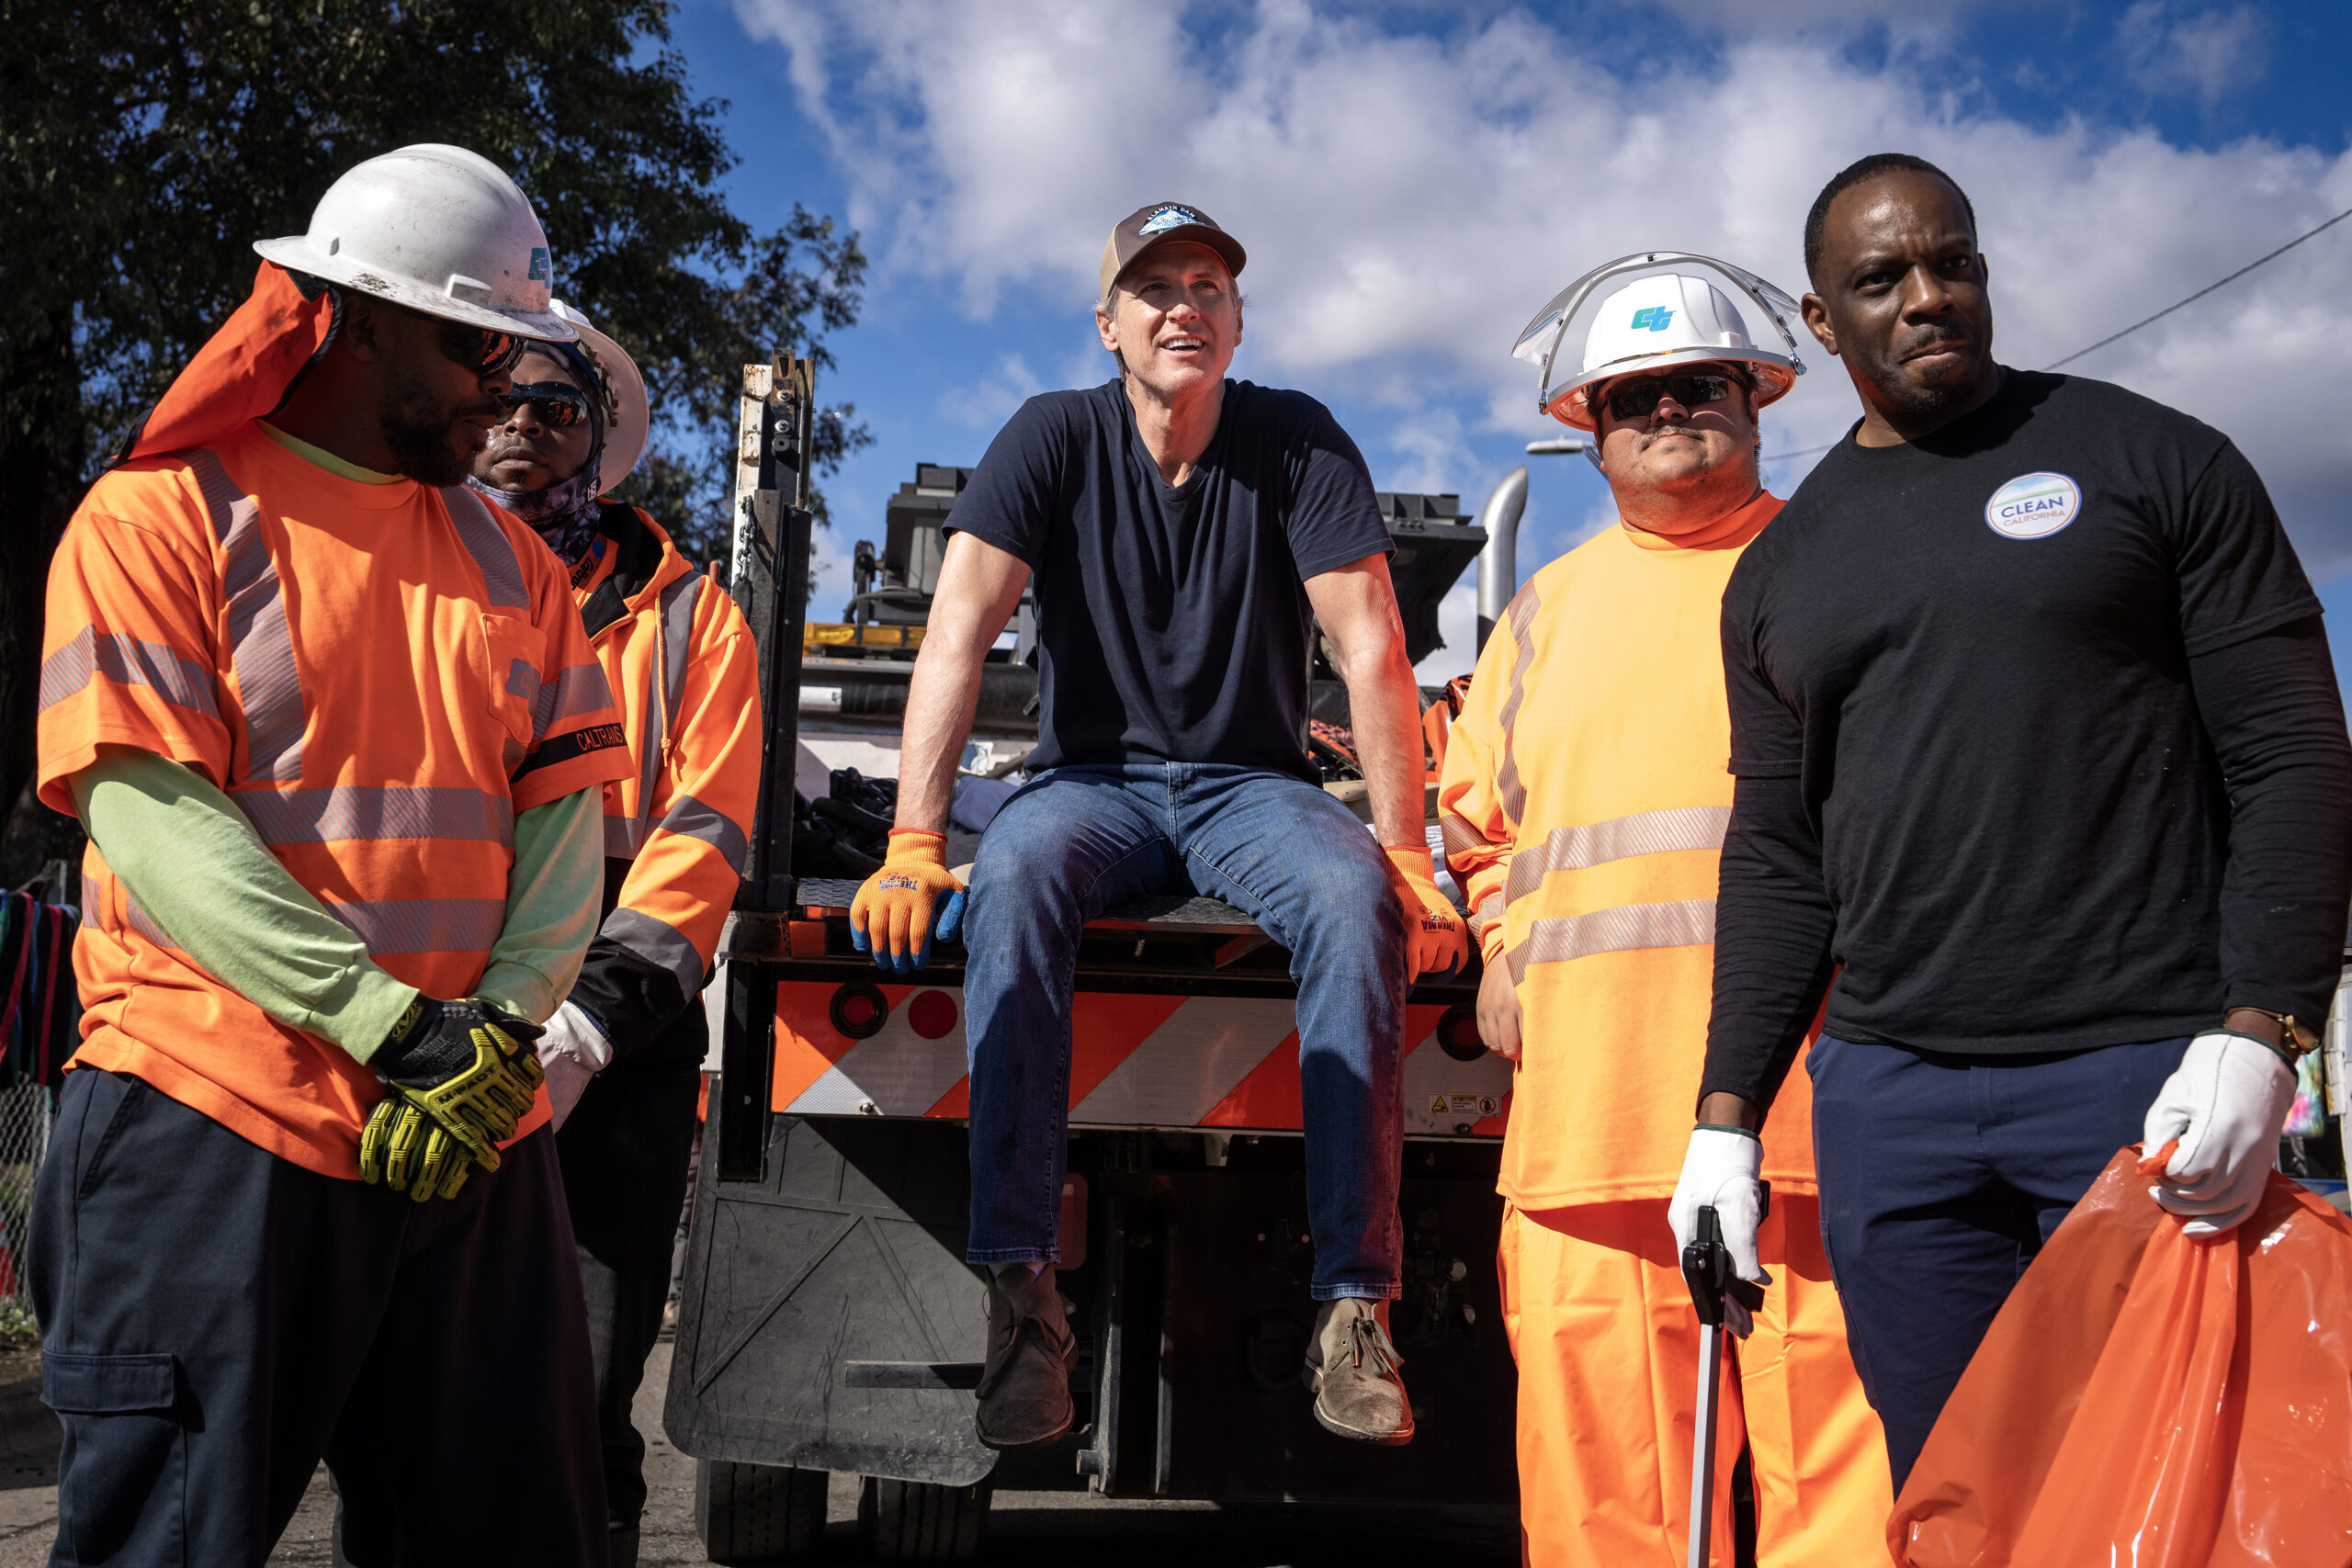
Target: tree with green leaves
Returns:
[145, 144]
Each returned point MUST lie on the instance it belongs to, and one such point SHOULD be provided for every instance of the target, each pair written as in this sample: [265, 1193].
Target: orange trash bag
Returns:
[2148, 1399]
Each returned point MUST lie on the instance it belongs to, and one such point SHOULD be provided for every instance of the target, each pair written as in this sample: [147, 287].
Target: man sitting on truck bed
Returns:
[1184, 533]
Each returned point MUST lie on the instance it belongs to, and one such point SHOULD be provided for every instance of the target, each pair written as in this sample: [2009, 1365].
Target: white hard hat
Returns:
[1666, 318]
[629, 412]
[437, 228]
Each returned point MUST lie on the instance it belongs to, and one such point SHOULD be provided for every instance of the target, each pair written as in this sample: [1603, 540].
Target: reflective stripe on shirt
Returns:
[1689, 922]
[1522, 614]
[376, 812]
[423, 925]
[126, 661]
[502, 577]
[690, 819]
[1621, 837]
[269, 688]
[658, 942]
[665, 683]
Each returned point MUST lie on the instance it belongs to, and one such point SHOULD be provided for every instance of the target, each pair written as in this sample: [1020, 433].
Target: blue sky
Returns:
[1413, 181]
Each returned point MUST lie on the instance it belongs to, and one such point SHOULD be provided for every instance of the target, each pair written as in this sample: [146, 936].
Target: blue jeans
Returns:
[1941, 1178]
[1079, 839]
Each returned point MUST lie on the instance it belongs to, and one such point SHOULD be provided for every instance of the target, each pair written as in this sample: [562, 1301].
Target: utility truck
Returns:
[828, 1322]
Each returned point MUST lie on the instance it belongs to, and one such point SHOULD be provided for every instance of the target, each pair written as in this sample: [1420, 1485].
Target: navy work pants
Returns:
[1941, 1178]
[215, 1320]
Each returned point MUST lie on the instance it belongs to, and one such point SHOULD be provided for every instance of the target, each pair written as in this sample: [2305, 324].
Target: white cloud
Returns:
[2209, 54]
[989, 403]
[1458, 623]
[1408, 200]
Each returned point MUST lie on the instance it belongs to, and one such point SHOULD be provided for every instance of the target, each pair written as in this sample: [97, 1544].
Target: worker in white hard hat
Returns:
[623, 1052]
[341, 746]
[1583, 802]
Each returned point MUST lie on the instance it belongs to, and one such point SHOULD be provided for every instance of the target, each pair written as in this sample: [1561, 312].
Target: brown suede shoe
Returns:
[1024, 1387]
[1352, 1366]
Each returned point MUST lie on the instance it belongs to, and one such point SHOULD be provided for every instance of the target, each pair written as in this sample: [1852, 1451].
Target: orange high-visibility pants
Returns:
[1608, 1351]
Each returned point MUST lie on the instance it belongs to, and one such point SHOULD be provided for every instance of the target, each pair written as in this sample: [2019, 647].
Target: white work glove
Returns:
[1721, 1169]
[2226, 1102]
[574, 1050]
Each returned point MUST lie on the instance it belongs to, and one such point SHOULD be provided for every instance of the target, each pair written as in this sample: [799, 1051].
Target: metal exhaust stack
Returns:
[1498, 561]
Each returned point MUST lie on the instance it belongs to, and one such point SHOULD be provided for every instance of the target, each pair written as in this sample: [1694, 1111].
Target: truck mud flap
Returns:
[828, 1320]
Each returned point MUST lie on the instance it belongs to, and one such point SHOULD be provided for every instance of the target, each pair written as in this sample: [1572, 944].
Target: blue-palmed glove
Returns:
[913, 902]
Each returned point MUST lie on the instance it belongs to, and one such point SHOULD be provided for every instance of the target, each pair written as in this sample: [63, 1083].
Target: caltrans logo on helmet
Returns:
[1653, 318]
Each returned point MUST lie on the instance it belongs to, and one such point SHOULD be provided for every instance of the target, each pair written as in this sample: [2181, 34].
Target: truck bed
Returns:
[1173, 913]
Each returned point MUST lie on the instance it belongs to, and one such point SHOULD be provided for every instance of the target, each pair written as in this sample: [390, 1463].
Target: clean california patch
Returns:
[2033, 506]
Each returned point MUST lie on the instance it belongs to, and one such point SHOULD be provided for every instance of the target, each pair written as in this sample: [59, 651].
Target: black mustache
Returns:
[1932, 338]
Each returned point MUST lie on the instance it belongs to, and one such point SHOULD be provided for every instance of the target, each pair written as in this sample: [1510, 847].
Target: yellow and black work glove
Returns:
[911, 902]
[462, 1076]
[1436, 942]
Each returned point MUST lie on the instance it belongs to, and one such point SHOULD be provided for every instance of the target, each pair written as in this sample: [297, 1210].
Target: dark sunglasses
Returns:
[480, 349]
[561, 407]
[1639, 400]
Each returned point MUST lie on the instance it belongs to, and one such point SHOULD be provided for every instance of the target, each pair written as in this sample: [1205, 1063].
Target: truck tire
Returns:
[758, 1513]
[919, 1521]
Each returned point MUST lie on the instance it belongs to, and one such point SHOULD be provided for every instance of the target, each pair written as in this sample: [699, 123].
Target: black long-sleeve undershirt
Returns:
[2271, 709]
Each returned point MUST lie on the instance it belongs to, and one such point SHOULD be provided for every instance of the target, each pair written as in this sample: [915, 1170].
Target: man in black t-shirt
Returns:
[2039, 751]
[1181, 531]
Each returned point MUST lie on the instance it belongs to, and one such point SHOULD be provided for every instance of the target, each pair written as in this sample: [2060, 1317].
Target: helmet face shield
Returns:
[1649, 313]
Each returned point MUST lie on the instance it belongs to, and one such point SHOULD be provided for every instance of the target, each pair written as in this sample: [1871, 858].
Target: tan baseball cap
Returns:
[1162, 223]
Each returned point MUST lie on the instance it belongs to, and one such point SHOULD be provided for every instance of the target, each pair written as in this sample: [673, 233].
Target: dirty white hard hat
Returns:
[439, 230]
[629, 412]
[1669, 317]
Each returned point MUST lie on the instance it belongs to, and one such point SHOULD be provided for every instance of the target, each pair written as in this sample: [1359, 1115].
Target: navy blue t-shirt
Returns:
[1172, 620]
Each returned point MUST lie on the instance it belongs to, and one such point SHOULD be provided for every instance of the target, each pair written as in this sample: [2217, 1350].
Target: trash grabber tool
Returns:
[1706, 1269]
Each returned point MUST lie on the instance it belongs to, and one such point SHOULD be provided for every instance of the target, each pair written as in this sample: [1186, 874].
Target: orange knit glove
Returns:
[911, 901]
[1436, 942]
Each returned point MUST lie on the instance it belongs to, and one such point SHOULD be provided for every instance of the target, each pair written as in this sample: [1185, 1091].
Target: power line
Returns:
[2160, 315]
[2200, 294]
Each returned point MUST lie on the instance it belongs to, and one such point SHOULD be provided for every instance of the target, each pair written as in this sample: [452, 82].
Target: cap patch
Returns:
[1169, 218]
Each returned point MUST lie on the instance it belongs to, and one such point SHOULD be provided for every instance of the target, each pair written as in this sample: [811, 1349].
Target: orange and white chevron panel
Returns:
[1135, 1061]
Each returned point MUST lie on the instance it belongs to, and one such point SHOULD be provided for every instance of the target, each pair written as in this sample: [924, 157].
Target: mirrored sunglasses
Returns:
[1639, 400]
[559, 407]
[481, 350]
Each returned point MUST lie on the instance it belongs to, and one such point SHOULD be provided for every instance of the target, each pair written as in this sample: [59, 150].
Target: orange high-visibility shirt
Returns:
[1584, 802]
[685, 675]
[379, 676]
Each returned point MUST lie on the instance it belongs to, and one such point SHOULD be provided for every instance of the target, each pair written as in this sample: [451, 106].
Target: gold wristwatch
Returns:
[2294, 1039]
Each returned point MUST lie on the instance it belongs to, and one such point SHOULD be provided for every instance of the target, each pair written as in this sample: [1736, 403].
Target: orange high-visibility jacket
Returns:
[1584, 802]
[382, 677]
[684, 674]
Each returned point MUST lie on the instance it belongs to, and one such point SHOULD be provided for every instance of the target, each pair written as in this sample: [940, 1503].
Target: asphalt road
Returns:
[1074, 1527]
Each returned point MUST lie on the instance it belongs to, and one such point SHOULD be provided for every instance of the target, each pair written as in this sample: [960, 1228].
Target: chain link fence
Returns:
[25, 1114]
[26, 1109]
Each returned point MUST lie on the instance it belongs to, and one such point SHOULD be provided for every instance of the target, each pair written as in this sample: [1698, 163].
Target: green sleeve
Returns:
[195, 865]
[551, 900]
